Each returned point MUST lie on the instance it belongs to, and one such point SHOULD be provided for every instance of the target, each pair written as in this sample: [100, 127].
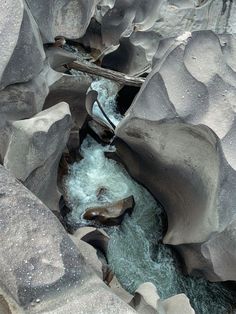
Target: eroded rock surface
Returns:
[147, 301]
[41, 267]
[177, 137]
[22, 101]
[22, 44]
[62, 18]
[128, 32]
[35, 149]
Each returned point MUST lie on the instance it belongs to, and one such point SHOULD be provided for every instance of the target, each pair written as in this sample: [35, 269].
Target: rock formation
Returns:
[35, 148]
[147, 301]
[178, 139]
[133, 28]
[41, 268]
[22, 44]
[179, 135]
[63, 17]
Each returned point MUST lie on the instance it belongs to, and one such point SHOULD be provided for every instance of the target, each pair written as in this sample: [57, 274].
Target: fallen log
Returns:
[109, 74]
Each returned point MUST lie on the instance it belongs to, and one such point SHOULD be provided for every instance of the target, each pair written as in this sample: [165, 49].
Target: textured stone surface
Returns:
[35, 149]
[137, 26]
[34, 261]
[146, 299]
[71, 89]
[87, 250]
[41, 267]
[62, 18]
[22, 44]
[22, 101]
[180, 132]
[178, 304]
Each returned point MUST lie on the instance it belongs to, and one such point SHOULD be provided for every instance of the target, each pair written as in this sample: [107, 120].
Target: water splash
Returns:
[135, 252]
[107, 93]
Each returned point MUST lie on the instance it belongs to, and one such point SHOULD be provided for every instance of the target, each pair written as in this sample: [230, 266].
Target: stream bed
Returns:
[136, 253]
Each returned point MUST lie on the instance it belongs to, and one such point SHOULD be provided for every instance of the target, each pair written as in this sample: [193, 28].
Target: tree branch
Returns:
[109, 74]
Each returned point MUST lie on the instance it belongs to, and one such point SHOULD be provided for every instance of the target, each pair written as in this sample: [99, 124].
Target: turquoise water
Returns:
[135, 251]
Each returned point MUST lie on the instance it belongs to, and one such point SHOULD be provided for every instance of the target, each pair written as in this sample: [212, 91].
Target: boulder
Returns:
[117, 288]
[58, 57]
[22, 101]
[41, 268]
[178, 304]
[110, 214]
[177, 137]
[23, 54]
[134, 28]
[87, 250]
[68, 18]
[35, 148]
[71, 89]
[98, 238]
[146, 299]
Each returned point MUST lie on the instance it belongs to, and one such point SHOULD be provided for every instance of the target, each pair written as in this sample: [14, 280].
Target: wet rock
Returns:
[35, 149]
[110, 214]
[22, 44]
[41, 267]
[98, 238]
[62, 18]
[73, 145]
[100, 117]
[177, 138]
[101, 132]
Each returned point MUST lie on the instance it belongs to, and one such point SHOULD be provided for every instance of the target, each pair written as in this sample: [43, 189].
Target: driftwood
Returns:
[109, 74]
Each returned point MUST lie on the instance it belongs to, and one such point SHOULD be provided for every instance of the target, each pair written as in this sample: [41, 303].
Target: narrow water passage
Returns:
[136, 253]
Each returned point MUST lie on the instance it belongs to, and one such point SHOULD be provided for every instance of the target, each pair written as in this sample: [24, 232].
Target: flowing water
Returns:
[136, 253]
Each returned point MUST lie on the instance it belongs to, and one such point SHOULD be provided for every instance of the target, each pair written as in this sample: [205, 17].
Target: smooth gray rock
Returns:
[57, 57]
[35, 148]
[137, 26]
[87, 250]
[25, 59]
[178, 304]
[71, 89]
[69, 18]
[173, 139]
[146, 299]
[35, 260]
[41, 267]
[10, 23]
[22, 101]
